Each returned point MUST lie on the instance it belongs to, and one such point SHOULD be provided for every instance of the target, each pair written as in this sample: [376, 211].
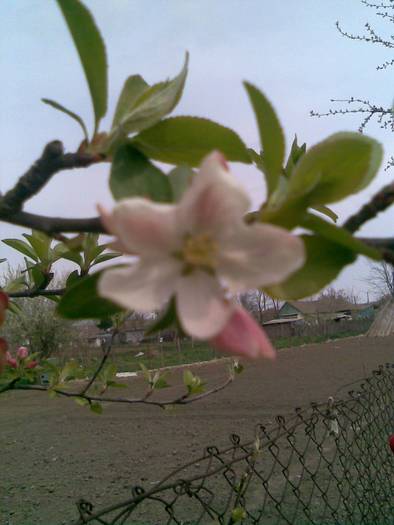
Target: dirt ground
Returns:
[53, 452]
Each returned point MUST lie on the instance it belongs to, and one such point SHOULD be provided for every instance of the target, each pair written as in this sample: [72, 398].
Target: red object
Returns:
[391, 443]
[3, 300]
[32, 364]
[3, 353]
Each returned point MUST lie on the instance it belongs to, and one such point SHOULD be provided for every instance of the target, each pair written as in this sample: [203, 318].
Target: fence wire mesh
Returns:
[328, 464]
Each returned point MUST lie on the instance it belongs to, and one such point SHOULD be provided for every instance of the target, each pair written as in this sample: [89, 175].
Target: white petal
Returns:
[259, 255]
[201, 305]
[144, 286]
[145, 227]
[214, 200]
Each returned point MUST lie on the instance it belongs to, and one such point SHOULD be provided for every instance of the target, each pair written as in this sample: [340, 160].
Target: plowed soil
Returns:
[53, 452]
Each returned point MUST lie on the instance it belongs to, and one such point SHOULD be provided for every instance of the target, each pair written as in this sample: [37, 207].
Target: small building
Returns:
[326, 310]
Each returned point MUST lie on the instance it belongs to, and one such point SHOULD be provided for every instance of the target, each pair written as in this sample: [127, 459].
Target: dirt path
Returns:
[54, 452]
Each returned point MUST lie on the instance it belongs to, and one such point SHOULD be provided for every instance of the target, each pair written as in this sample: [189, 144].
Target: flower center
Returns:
[199, 251]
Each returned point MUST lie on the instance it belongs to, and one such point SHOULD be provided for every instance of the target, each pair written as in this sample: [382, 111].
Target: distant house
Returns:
[324, 310]
[132, 333]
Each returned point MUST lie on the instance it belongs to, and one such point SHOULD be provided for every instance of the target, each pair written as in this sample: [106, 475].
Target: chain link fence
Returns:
[328, 464]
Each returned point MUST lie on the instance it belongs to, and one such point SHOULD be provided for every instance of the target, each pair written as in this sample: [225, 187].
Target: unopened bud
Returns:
[11, 361]
[22, 352]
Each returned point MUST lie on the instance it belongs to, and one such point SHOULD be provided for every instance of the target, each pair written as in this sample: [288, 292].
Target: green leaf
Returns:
[133, 175]
[132, 90]
[71, 114]
[81, 301]
[15, 285]
[296, 153]
[187, 140]
[40, 243]
[91, 50]
[72, 278]
[271, 136]
[81, 401]
[324, 260]
[238, 514]
[326, 211]
[180, 179]
[97, 408]
[338, 235]
[91, 249]
[105, 257]
[193, 383]
[68, 372]
[341, 165]
[154, 104]
[73, 256]
[22, 247]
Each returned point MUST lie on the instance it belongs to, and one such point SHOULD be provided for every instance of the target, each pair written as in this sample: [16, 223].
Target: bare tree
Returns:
[381, 279]
[260, 305]
[365, 108]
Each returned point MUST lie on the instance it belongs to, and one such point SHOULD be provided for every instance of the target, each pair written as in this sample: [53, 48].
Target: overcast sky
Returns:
[290, 49]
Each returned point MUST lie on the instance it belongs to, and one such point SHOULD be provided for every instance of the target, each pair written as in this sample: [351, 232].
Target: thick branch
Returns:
[52, 225]
[52, 160]
[379, 202]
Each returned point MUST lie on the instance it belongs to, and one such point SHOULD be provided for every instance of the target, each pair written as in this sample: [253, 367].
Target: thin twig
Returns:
[108, 348]
[181, 400]
[37, 293]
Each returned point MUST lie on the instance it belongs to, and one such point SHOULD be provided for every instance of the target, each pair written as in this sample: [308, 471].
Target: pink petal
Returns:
[142, 226]
[259, 255]
[202, 307]
[242, 336]
[214, 200]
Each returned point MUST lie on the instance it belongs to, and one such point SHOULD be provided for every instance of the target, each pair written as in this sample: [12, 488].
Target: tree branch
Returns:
[36, 293]
[52, 225]
[52, 160]
[184, 399]
[379, 202]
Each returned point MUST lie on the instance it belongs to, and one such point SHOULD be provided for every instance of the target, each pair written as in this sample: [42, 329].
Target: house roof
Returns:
[325, 306]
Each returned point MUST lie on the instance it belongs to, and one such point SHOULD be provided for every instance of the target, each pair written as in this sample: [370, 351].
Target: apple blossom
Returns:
[22, 352]
[199, 250]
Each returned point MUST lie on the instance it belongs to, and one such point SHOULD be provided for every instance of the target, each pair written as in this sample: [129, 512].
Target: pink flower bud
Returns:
[32, 364]
[22, 352]
[242, 336]
[391, 443]
[11, 361]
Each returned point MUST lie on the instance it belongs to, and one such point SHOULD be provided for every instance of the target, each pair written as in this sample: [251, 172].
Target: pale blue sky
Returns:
[290, 49]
